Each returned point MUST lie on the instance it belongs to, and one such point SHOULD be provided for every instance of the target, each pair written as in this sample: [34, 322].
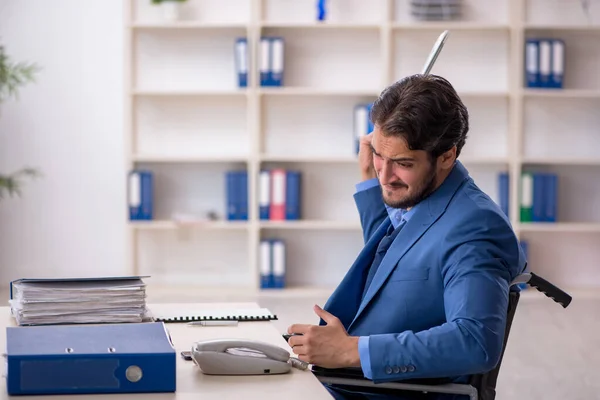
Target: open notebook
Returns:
[233, 314]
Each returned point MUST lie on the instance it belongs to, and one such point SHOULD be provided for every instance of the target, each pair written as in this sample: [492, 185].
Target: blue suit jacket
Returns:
[437, 305]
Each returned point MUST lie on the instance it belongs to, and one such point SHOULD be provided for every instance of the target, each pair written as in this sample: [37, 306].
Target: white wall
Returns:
[69, 124]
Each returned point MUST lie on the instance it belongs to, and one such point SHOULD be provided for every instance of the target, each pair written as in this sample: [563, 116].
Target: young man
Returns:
[428, 294]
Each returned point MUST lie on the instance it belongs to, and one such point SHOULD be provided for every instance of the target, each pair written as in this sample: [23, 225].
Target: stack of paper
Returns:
[73, 301]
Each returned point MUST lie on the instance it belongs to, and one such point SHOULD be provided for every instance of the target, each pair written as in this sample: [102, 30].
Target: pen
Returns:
[213, 323]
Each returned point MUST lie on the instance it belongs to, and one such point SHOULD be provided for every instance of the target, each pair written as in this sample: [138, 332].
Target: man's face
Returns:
[406, 176]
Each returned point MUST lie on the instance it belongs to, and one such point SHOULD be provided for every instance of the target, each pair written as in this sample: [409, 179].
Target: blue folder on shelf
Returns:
[90, 359]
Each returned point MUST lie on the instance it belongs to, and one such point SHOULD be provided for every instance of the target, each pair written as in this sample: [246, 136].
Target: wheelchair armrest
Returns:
[357, 373]
[353, 377]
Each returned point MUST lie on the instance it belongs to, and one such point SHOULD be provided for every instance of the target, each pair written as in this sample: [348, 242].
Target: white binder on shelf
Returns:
[558, 63]
[545, 62]
[241, 61]
[532, 63]
[361, 124]
[265, 264]
[277, 61]
[279, 266]
[265, 61]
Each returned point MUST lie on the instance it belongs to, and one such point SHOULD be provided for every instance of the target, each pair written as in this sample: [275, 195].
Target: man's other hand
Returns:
[327, 346]
[365, 158]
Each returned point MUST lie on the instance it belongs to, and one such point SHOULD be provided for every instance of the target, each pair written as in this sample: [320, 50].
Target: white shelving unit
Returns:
[189, 123]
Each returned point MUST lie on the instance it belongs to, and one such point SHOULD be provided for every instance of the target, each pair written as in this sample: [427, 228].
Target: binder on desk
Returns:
[52, 301]
[242, 315]
[90, 359]
[241, 61]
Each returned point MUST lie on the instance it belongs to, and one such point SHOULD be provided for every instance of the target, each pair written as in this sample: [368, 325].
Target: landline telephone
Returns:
[242, 357]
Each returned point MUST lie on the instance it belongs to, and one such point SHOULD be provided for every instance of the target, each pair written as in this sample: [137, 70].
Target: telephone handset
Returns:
[240, 357]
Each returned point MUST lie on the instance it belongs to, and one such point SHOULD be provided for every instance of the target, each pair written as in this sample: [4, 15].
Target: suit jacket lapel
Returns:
[345, 300]
[426, 213]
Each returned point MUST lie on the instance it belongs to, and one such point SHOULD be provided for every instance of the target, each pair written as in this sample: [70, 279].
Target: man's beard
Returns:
[412, 200]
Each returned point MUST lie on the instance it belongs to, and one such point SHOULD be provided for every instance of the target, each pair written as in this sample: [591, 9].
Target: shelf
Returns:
[186, 25]
[315, 91]
[188, 93]
[318, 59]
[459, 61]
[315, 293]
[561, 93]
[193, 14]
[309, 159]
[189, 123]
[186, 127]
[558, 28]
[187, 159]
[575, 161]
[311, 225]
[319, 25]
[561, 130]
[319, 257]
[172, 224]
[344, 13]
[579, 227]
[473, 13]
[451, 26]
[484, 161]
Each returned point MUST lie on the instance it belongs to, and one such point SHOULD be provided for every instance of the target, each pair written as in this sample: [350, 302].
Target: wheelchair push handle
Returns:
[556, 294]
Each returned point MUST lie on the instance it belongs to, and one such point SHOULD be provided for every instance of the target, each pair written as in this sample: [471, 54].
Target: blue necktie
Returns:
[382, 248]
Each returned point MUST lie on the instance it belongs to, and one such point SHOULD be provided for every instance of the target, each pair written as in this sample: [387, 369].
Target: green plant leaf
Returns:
[13, 75]
[10, 185]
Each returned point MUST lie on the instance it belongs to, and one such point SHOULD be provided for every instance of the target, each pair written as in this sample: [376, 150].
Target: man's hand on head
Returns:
[327, 346]
[365, 158]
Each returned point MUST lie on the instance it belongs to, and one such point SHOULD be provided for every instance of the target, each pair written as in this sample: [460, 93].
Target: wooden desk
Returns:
[193, 384]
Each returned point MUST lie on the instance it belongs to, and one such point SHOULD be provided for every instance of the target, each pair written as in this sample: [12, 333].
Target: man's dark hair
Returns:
[425, 111]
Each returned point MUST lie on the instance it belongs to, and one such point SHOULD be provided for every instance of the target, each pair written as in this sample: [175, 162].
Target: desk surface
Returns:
[193, 384]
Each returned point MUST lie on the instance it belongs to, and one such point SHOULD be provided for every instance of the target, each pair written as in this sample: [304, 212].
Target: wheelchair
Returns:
[480, 386]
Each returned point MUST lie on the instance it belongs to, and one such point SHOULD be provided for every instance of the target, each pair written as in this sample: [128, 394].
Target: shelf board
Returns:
[473, 93]
[310, 224]
[149, 158]
[185, 25]
[561, 93]
[300, 91]
[309, 159]
[484, 160]
[312, 292]
[558, 161]
[317, 25]
[558, 27]
[172, 224]
[451, 26]
[574, 227]
[188, 93]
